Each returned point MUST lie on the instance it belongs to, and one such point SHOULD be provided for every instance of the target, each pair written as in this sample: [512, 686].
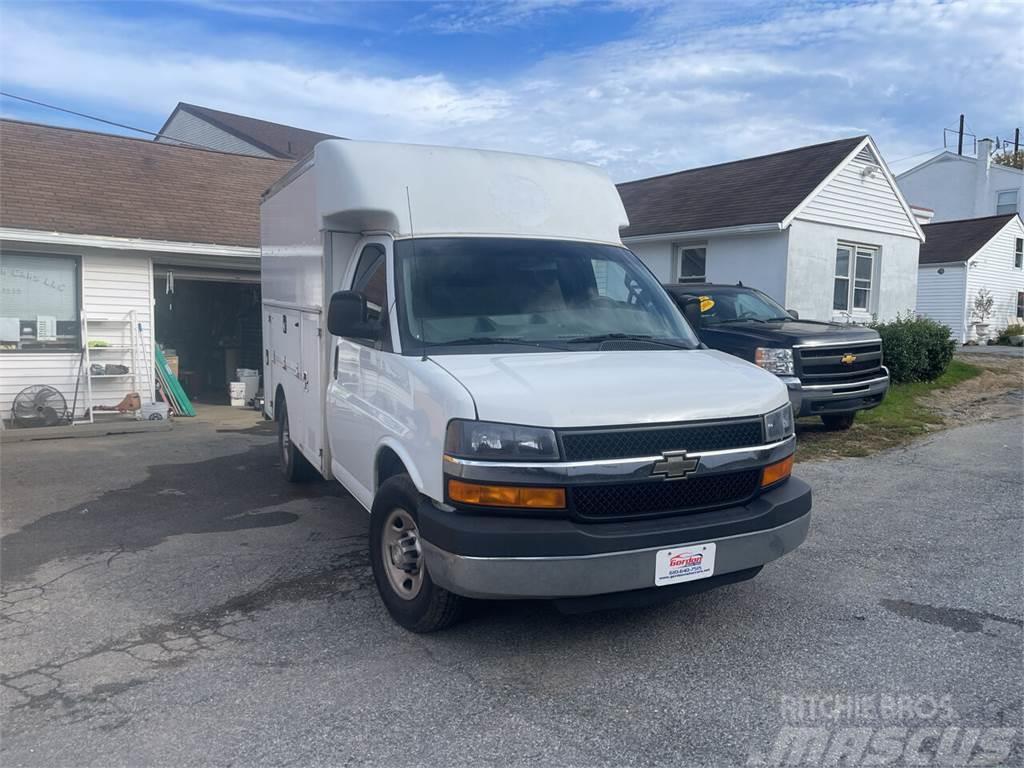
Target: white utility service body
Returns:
[362, 411]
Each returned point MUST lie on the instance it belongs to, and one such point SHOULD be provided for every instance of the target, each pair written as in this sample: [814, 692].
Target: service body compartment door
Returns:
[312, 395]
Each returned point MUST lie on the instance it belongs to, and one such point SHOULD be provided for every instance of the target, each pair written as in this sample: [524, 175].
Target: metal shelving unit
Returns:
[105, 324]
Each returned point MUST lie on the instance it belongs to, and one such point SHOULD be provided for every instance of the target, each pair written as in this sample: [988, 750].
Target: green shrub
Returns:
[915, 348]
[1017, 329]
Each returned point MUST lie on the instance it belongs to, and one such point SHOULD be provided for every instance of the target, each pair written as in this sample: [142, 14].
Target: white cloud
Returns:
[688, 86]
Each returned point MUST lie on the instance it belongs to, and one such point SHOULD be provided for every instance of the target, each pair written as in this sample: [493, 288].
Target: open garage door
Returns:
[209, 319]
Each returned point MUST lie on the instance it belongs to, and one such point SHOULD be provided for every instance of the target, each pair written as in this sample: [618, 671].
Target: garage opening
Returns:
[208, 324]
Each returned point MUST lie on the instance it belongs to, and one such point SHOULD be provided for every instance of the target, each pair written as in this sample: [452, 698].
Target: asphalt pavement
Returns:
[169, 600]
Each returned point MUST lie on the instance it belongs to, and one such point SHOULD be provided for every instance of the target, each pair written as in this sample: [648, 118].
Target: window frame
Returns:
[1016, 201]
[1020, 305]
[359, 281]
[79, 303]
[854, 283]
[1018, 253]
[677, 262]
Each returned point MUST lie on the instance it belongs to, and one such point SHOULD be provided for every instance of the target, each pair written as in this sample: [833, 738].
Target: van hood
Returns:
[603, 388]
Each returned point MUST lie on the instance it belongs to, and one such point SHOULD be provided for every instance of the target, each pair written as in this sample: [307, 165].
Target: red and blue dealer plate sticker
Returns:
[678, 564]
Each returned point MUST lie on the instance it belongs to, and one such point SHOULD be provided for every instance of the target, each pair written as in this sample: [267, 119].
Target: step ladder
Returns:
[124, 337]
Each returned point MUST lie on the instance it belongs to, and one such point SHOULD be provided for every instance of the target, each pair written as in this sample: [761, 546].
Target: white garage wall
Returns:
[942, 296]
[812, 253]
[112, 283]
[657, 256]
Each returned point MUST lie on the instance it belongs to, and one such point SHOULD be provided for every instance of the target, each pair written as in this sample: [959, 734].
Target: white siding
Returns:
[187, 127]
[812, 264]
[992, 268]
[942, 296]
[958, 187]
[853, 200]
[757, 260]
[113, 283]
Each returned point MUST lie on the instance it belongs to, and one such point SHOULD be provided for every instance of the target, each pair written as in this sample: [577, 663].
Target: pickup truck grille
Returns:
[824, 365]
[628, 442]
[659, 498]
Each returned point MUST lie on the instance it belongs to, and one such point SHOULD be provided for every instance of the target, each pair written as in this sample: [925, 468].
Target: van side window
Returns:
[371, 280]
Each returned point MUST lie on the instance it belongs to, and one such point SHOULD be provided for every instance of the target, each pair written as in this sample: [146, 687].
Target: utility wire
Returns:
[910, 157]
[100, 119]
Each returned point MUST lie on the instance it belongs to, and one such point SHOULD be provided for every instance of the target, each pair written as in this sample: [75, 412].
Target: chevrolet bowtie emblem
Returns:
[675, 464]
[847, 359]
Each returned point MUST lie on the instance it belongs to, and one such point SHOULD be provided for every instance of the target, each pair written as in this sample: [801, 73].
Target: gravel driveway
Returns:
[167, 599]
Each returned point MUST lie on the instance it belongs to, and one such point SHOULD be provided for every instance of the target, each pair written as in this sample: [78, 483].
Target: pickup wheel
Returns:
[838, 421]
[294, 465]
[396, 556]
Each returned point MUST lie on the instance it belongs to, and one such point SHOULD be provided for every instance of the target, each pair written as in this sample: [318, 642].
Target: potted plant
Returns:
[982, 311]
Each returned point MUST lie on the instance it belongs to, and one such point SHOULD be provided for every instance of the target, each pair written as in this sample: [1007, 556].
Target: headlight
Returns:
[777, 361]
[510, 442]
[778, 424]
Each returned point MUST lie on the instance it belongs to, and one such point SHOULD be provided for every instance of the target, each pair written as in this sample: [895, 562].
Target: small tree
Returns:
[983, 306]
[1009, 158]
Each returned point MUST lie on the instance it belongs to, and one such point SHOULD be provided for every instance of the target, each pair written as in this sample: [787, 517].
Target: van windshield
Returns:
[472, 293]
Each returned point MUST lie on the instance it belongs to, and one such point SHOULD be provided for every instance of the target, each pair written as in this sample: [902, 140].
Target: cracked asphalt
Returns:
[168, 600]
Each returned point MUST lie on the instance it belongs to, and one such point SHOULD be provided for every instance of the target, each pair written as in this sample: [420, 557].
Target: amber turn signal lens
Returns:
[777, 472]
[506, 495]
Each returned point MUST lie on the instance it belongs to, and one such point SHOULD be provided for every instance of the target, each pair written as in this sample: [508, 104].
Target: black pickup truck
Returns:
[832, 370]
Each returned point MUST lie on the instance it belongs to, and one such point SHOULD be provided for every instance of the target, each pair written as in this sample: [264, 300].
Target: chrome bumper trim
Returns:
[581, 575]
[638, 468]
[845, 388]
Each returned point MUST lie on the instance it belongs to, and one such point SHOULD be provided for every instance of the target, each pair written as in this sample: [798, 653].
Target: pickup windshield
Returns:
[474, 294]
[736, 304]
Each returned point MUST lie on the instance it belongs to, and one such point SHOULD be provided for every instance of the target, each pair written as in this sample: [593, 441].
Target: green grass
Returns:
[900, 418]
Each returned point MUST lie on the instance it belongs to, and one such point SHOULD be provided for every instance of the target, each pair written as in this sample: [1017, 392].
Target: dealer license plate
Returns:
[678, 564]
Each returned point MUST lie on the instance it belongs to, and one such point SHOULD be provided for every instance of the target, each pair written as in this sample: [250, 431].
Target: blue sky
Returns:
[638, 86]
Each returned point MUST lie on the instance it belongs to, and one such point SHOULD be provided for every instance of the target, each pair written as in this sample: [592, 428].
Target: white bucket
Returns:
[251, 380]
[237, 391]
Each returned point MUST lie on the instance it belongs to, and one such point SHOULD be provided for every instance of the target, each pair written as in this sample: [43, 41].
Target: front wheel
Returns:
[838, 421]
[396, 556]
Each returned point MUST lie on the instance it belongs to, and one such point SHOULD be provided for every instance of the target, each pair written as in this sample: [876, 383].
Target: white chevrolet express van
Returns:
[460, 339]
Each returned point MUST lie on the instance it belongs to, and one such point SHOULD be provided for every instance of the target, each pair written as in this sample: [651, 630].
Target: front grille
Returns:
[824, 365]
[592, 445]
[663, 497]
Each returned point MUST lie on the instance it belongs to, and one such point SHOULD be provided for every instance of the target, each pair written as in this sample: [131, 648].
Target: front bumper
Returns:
[487, 556]
[815, 399]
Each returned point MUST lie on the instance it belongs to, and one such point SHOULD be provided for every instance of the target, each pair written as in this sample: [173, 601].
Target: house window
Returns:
[1006, 202]
[1020, 303]
[855, 269]
[39, 303]
[691, 263]
[1018, 252]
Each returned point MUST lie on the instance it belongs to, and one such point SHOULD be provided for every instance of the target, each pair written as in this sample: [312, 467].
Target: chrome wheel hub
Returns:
[401, 554]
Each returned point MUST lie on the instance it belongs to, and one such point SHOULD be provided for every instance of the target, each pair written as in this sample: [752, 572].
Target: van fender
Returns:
[405, 458]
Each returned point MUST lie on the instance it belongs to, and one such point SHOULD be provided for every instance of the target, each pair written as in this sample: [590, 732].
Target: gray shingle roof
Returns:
[277, 139]
[758, 190]
[953, 241]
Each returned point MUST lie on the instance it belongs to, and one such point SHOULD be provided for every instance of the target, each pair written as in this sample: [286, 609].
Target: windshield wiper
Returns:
[740, 320]
[599, 337]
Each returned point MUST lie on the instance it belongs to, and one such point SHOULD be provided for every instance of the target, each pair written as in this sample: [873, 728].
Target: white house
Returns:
[961, 258]
[108, 225]
[822, 229]
[961, 187]
[228, 132]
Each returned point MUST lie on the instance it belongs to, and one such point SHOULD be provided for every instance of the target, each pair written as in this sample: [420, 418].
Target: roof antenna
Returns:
[415, 273]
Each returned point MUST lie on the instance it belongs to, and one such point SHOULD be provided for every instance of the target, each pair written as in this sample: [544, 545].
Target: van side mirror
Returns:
[691, 311]
[793, 313]
[346, 316]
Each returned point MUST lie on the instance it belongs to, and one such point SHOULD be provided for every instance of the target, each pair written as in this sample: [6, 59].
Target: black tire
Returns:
[428, 607]
[294, 465]
[838, 421]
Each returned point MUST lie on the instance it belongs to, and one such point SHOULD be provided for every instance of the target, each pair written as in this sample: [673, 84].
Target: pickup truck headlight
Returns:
[778, 424]
[777, 361]
[509, 442]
